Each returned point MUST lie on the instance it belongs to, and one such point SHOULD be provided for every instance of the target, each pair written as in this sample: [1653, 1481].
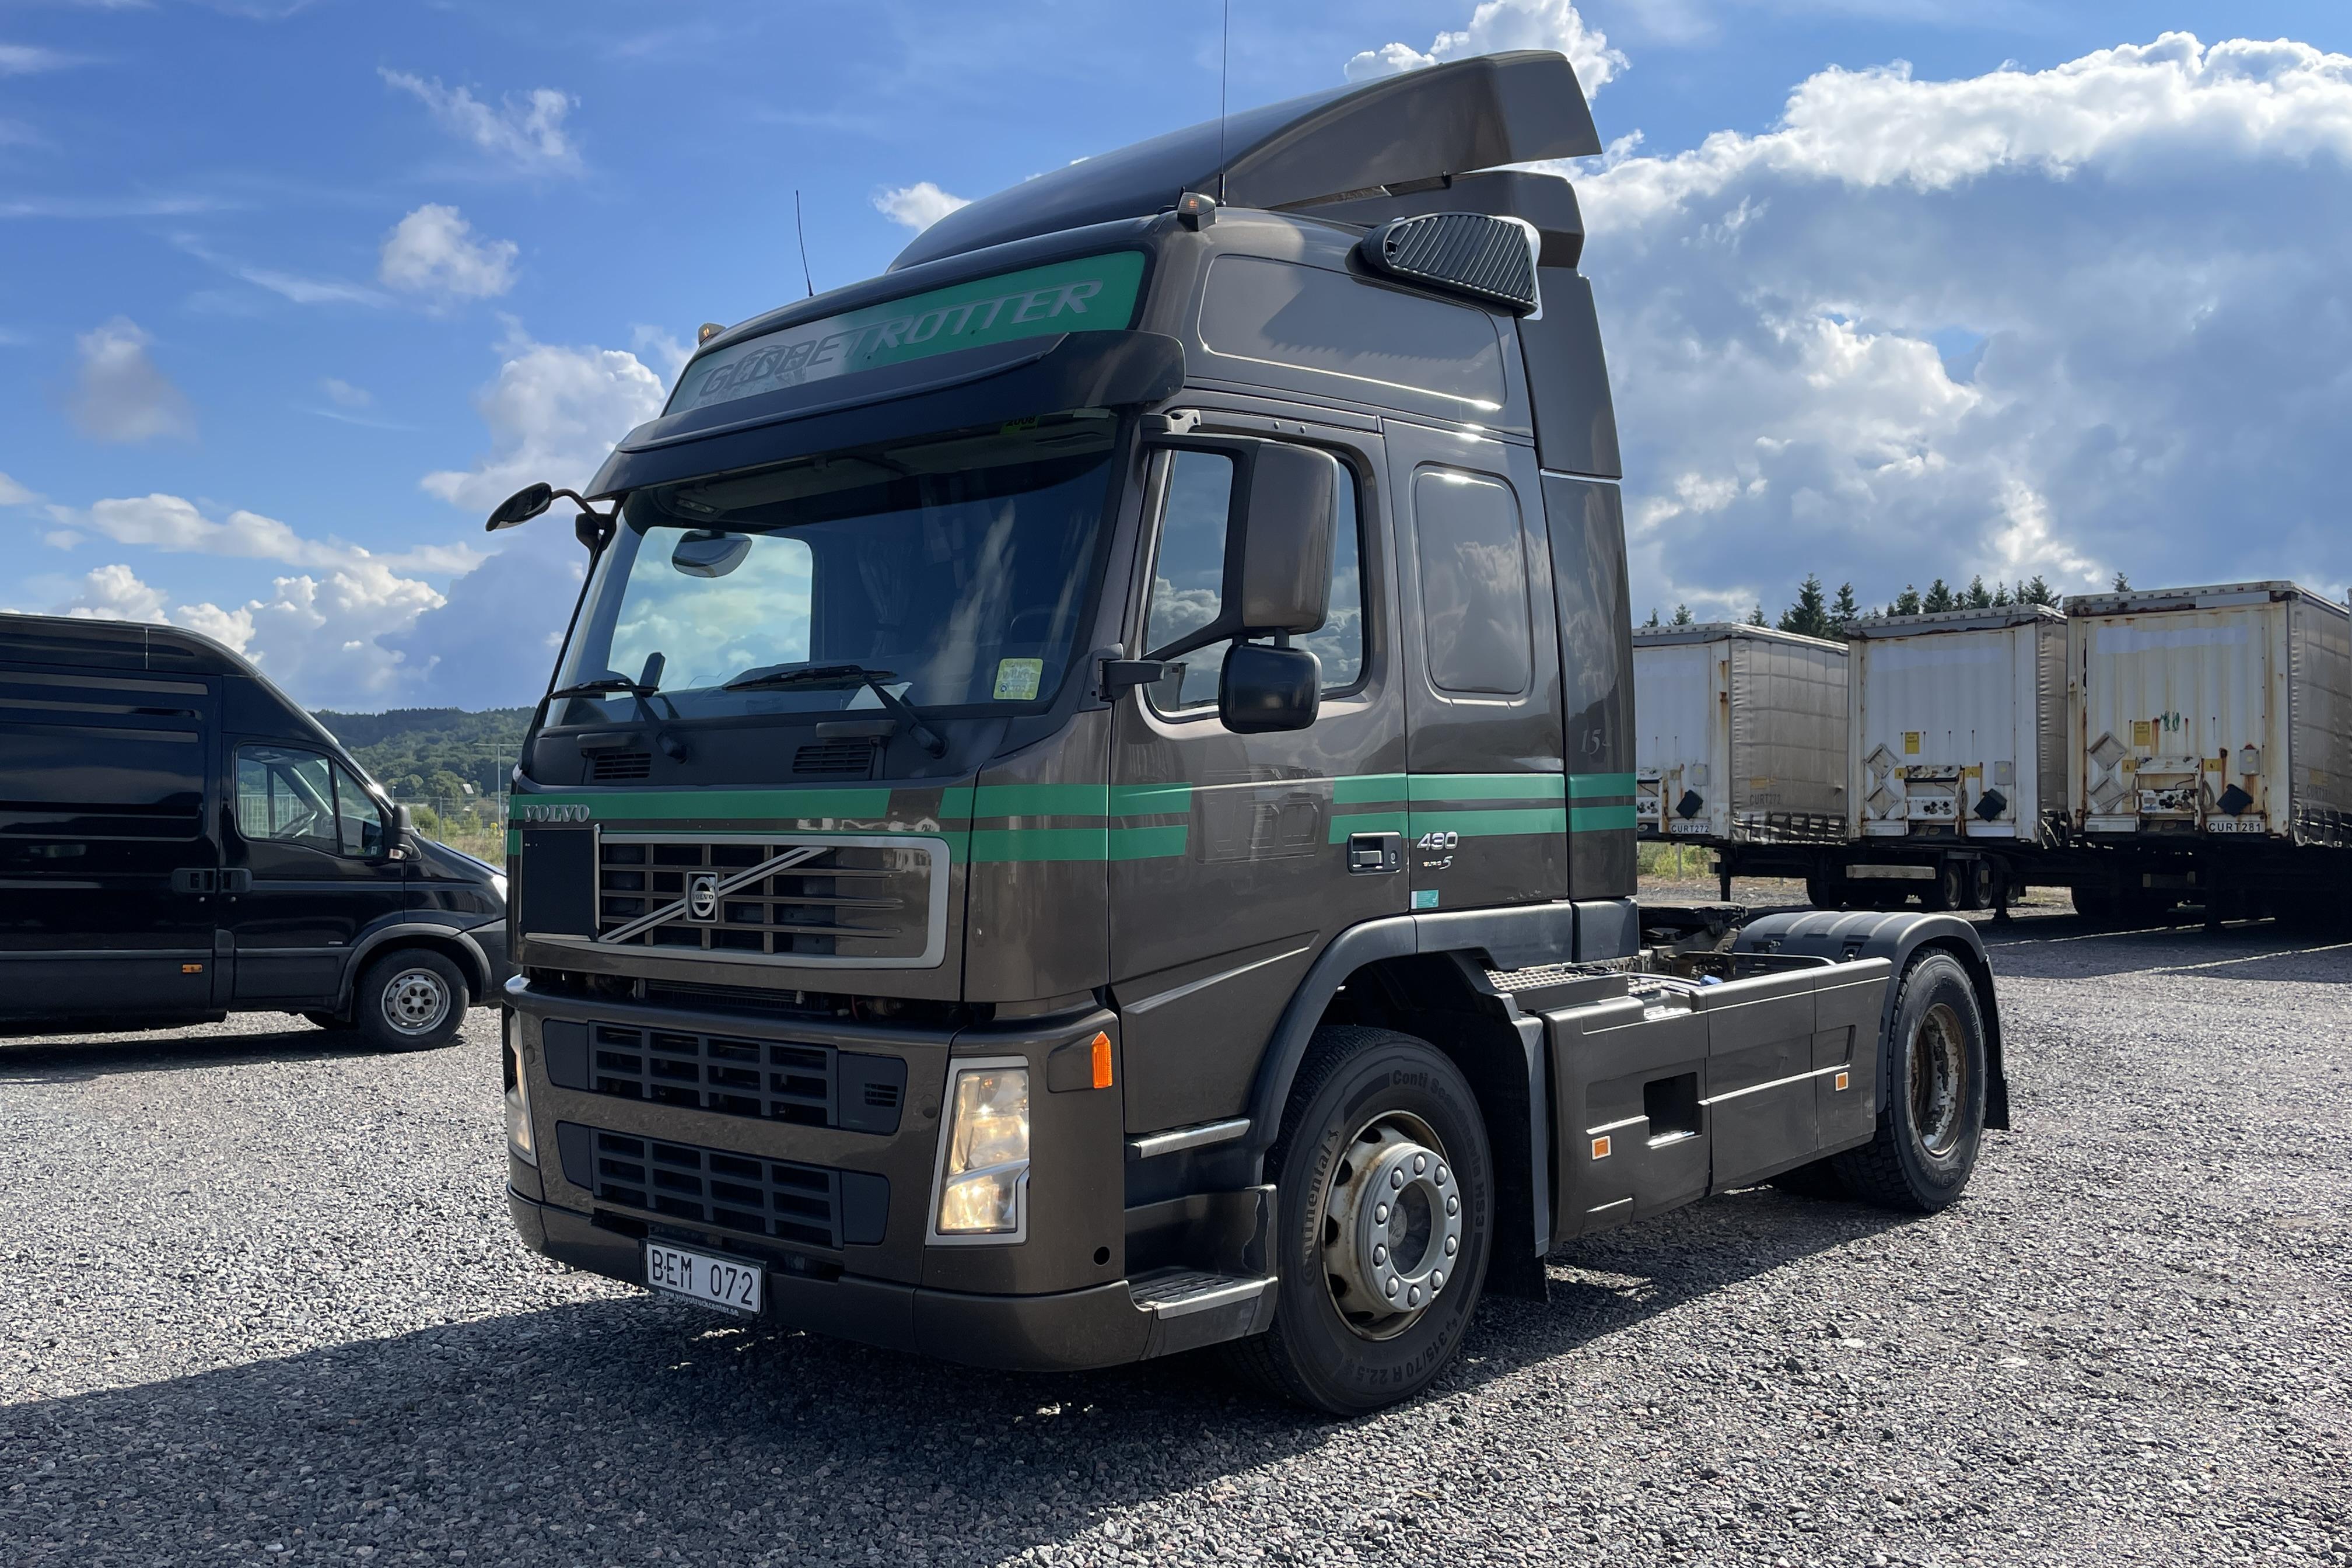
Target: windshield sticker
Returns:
[1095, 294]
[1018, 679]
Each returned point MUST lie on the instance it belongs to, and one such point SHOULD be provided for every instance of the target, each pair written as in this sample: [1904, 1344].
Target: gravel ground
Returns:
[263, 1304]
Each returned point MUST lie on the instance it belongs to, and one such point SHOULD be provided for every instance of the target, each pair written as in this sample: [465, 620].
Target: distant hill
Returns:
[420, 753]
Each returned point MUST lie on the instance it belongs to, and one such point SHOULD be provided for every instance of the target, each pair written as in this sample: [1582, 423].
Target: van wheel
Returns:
[1932, 1122]
[410, 1000]
[1385, 1205]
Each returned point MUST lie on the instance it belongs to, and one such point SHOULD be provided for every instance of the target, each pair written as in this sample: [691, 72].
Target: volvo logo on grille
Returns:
[702, 898]
[532, 812]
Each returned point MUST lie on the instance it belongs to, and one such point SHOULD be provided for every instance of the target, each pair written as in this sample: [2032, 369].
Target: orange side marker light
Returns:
[1840, 1081]
[1102, 1059]
[1601, 1148]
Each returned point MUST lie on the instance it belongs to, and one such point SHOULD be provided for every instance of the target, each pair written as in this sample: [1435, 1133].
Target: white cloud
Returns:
[526, 133]
[554, 414]
[118, 395]
[1499, 25]
[176, 525]
[2132, 265]
[116, 594]
[344, 394]
[24, 59]
[432, 251]
[290, 286]
[14, 494]
[918, 205]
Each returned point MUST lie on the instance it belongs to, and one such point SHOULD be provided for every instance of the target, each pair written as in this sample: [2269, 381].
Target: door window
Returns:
[285, 796]
[1189, 576]
[1474, 583]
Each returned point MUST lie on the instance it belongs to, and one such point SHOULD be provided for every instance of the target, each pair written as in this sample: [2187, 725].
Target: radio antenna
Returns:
[1225, 56]
[801, 229]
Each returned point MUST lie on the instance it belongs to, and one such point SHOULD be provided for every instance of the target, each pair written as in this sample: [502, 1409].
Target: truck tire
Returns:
[1825, 890]
[412, 999]
[1932, 1122]
[1384, 1211]
[2094, 903]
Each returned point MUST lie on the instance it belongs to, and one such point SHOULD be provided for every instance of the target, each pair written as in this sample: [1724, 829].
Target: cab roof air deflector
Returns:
[1325, 154]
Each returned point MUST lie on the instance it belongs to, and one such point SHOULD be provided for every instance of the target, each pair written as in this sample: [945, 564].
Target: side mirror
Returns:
[1278, 529]
[401, 821]
[1264, 688]
[709, 553]
[520, 507]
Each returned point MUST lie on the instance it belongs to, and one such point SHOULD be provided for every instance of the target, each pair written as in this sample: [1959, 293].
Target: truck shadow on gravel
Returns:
[2070, 949]
[660, 1426]
[81, 1060]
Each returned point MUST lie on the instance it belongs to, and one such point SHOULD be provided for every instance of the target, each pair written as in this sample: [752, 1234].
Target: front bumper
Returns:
[1067, 1331]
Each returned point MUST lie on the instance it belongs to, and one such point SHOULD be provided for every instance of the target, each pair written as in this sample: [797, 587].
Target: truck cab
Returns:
[1087, 807]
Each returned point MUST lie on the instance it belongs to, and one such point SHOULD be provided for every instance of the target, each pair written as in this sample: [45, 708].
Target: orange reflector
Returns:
[192, 968]
[1102, 1060]
[1601, 1148]
[1840, 1081]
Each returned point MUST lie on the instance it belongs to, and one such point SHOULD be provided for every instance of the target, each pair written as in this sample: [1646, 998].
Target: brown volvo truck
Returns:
[1086, 807]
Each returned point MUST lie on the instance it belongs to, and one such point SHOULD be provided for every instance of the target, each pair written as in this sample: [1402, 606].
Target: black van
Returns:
[179, 841]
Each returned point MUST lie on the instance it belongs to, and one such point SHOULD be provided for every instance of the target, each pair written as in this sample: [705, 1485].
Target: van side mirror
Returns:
[1264, 688]
[1279, 523]
[521, 507]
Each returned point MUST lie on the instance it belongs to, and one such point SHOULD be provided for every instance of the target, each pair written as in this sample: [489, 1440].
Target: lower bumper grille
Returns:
[777, 1081]
[784, 1200]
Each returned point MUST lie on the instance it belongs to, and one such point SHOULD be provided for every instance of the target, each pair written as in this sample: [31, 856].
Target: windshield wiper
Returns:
[602, 686]
[872, 679]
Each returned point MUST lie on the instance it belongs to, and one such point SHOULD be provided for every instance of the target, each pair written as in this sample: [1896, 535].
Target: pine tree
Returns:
[2123, 584]
[1906, 602]
[1980, 598]
[1756, 616]
[1845, 609]
[1654, 616]
[2037, 591]
[2000, 599]
[1683, 617]
[1939, 597]
[1809, 615]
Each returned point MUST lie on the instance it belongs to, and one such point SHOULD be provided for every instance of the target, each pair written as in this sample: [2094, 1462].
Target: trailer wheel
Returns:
[2094, 903]
[410, 1000]
[1932, 1122]
[1825, 891]
[1385, 1205]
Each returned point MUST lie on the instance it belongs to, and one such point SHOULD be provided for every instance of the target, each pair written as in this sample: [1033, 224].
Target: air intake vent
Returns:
[851, 757]
[612, 767]
[1488, 258]
[846, 899]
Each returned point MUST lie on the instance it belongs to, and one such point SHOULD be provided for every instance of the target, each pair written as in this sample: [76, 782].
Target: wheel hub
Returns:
[1939, 1080]
[1392, 1226]
[416, 1001]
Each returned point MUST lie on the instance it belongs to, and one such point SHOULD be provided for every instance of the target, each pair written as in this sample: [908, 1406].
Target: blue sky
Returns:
[287, 290]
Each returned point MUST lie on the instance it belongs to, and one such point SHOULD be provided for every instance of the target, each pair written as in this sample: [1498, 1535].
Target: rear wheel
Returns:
[1932, 1124]
[1824, 890]
[2095, 903]
[1384, 1200]
[410, 1000]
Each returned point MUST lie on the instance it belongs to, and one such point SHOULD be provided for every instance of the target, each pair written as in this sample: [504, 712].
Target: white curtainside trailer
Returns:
[1739, 735]
[2210, 715]
[1957, 727]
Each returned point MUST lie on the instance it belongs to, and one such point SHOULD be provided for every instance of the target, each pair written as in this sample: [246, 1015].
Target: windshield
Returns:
[953, 571]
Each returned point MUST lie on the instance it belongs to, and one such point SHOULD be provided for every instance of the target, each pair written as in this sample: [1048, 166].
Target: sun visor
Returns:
[1364, 139]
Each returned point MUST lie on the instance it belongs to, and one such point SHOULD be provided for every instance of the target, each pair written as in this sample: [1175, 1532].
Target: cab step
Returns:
[1192, 1307]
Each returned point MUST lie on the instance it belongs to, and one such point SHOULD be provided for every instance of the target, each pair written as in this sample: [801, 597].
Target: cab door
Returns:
[316, 857]
[1236, 858]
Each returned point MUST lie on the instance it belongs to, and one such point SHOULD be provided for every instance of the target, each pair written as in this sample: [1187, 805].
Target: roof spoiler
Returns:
[1334, 152]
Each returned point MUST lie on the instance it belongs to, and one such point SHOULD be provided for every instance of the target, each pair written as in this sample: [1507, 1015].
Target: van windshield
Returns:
[953, 571]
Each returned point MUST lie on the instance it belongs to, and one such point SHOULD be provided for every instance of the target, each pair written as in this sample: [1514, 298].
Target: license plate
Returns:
[729, 1284]
[2233, 825]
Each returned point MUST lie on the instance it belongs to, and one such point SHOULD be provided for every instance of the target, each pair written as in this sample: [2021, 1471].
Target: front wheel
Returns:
[411, 1000]
[1385, 1198]
[1932, 1122]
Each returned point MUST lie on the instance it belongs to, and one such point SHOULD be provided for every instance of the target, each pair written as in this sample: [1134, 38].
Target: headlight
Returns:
[519, 1143]
[499, 885]
[985, 1165]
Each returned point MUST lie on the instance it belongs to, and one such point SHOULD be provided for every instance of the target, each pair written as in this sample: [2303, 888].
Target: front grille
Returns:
[784, 1200]
[776, 1080]
[870, 900]
[851, 758]
[612, 767]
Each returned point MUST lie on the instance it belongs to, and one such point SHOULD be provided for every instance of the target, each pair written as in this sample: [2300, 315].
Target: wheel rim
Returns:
[416, 1001]
[1392, 1225]
[1939, 1082]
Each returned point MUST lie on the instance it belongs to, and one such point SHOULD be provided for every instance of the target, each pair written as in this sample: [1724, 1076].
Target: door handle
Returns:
[195, 880]
[1375, 854]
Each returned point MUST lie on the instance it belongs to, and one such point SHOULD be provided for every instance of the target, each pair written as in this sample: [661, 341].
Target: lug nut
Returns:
[1453, 1203]
[1396, 1178]
[1441, 1175]
[1393, 1288]
[1380, 1254]
[1451, 1243]
[1420, 1163]
[1379, 1214]
[1412, 1297]
[1437, 1283]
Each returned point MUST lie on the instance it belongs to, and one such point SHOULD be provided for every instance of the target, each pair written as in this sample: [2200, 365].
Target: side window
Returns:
[287, 798]
[1474, 583]
[363, 823]
[1189, 575]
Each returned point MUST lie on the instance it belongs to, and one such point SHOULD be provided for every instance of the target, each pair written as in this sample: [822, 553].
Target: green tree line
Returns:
[419, 752]
[1817, 614]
